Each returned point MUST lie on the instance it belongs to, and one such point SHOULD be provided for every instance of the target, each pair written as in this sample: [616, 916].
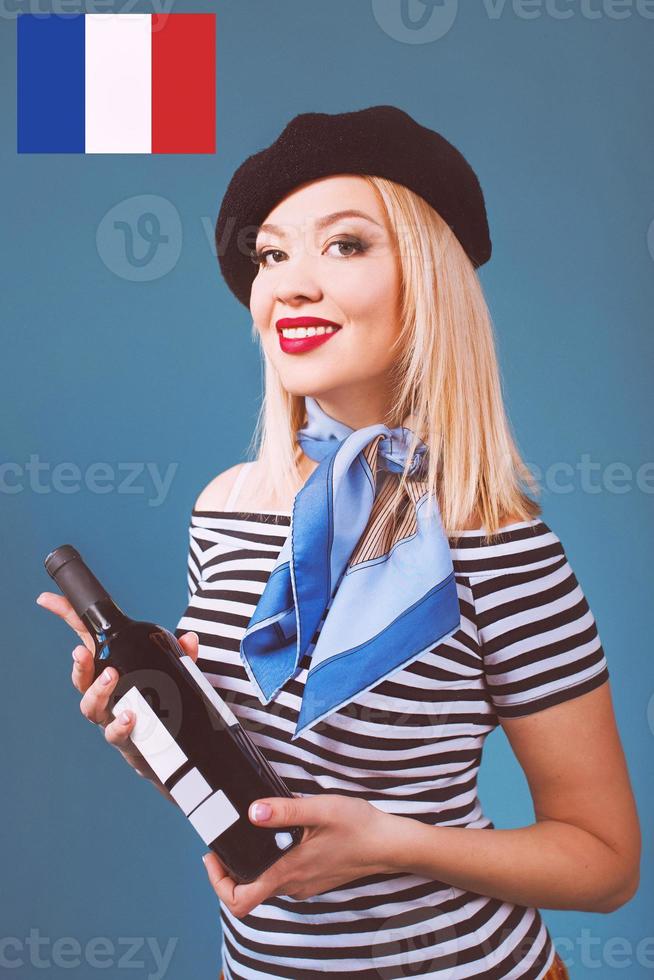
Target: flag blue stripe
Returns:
[50, 83]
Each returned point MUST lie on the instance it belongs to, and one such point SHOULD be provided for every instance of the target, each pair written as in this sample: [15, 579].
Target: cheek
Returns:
[260, 301]
[372, 279]
[370, 298]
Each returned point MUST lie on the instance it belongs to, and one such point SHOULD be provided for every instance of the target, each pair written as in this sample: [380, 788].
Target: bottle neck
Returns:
[88, 597]
[103, 618]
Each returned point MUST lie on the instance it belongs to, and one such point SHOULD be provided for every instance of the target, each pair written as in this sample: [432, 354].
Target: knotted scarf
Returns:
[381, 593]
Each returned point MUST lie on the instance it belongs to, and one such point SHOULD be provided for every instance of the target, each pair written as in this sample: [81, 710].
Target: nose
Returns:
[298, 282]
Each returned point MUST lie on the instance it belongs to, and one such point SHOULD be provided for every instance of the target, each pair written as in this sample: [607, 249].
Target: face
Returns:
[317, 261]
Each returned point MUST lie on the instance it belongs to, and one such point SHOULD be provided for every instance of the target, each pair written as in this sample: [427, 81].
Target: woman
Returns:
[399, 873]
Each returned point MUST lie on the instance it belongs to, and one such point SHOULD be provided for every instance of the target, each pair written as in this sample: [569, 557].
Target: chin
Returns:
[304, 388]
[300, 381]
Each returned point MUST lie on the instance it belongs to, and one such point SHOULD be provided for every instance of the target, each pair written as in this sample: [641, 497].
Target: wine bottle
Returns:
[184, 729]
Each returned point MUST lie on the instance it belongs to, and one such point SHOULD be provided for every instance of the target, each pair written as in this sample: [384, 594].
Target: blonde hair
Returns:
[447, 382]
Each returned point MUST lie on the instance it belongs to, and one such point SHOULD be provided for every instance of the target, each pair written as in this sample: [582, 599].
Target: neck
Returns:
[366, 408]
[306, 466]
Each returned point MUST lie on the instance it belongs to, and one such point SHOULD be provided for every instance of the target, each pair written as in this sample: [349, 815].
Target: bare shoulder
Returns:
[216, 493]
[474, 523]
[510, 519]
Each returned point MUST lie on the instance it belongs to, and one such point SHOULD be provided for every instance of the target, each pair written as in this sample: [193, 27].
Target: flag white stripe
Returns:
[118, 77]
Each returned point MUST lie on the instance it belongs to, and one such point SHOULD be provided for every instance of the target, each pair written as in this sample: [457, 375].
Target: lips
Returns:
[297, 345]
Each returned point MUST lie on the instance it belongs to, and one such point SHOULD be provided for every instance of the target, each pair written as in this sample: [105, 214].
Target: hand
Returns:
[344, 838]
[96, 694]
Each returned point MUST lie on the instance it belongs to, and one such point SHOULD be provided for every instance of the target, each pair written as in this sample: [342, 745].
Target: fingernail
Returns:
[106, 676]
[124, 718]
[261, 811]
[77, 657]
[204, 859]
[39, 600]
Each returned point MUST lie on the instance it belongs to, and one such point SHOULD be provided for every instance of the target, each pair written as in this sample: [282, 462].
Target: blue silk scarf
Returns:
[383, 594]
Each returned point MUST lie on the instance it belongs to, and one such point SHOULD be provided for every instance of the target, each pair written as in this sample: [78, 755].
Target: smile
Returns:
[299, 334]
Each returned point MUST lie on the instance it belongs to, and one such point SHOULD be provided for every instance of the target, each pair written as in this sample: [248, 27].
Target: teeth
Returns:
[292, 333]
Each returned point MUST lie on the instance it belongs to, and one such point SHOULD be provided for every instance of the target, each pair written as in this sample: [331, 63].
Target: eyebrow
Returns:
[328, 219]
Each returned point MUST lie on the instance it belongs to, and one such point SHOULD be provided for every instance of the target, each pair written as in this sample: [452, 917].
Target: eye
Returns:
[354, 245]
[259, 257]
[350, 243]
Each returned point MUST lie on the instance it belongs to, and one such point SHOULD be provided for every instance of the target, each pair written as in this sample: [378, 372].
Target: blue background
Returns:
[100, 367]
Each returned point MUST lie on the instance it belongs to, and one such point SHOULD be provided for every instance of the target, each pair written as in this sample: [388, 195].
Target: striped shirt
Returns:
[411, 746]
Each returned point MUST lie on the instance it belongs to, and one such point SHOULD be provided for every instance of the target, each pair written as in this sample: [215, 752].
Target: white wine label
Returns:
[150, 735]
[214, 816]
[227, 715]
[190, 790]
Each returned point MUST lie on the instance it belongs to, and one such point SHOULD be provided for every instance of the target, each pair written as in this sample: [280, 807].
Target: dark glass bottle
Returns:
[184, 729]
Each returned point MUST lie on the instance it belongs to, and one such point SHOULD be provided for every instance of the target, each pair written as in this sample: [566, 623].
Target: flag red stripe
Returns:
[183, 83]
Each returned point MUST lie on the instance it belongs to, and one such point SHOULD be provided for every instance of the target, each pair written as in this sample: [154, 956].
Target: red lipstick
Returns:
[297, 345]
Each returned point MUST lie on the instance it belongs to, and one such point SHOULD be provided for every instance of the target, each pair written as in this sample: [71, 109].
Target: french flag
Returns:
[116, 83]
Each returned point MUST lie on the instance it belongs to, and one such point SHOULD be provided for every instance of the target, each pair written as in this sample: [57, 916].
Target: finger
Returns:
[94, 703]
[191, 644]
[83, 668]
[118, 731]
[60, 606]
[222, 884]
[280, 811]
[239, 899]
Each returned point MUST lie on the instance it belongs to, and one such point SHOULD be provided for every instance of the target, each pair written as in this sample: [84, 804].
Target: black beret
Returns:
[382, 141]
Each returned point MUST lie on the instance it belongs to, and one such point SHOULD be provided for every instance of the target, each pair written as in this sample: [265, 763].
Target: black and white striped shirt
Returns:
[411, 746]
